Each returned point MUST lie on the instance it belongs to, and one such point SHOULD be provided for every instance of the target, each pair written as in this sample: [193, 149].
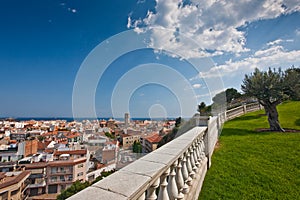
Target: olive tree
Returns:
[268, 87]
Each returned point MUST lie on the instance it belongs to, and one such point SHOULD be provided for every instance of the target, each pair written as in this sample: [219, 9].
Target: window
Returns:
[4, 195]
[80, 174]
[14, 192]
[53, 170]
[70, 178]
[80, 165]
[53, 179]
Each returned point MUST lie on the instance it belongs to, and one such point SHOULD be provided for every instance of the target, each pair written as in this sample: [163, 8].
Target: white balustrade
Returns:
[169, 173]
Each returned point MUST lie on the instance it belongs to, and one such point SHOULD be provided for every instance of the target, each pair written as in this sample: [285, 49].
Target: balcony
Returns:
[174, 171]
[61, 172]
[60, 181]
[38, 184]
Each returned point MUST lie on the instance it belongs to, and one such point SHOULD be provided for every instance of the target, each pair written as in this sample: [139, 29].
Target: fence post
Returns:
[206, 143]
[245, 108]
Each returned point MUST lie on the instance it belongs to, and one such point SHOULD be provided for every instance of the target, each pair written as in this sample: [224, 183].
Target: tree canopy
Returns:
[228, 95]
[203, 109]
[292, 83]
[137, 147]
[271, 87]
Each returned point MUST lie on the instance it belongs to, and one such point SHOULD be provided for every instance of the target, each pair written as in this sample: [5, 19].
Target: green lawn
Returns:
[253, 165]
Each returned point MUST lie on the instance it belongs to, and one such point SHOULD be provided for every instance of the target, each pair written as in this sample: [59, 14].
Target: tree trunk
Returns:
[273, 117]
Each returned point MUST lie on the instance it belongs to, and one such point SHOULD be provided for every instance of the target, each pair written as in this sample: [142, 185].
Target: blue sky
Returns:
[43, 46]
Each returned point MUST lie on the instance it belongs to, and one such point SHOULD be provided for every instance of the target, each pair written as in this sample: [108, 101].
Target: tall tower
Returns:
[127, 119]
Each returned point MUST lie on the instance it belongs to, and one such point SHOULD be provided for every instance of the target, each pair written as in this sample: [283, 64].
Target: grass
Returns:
[256, 165]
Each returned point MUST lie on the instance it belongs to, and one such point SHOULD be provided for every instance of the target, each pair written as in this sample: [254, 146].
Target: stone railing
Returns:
[241, 110]
[174, 171]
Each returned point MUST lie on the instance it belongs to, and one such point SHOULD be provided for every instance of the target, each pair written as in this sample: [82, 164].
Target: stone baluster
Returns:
[190, 165]
[142, 197]
[194, 157]
[163, 193]
[202, 150]
[151, 192]
[198, 150]
[179, 179]
[185, 174]
[172, 186]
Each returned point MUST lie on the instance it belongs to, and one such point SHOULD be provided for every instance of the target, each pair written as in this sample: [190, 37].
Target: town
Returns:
[39, 159]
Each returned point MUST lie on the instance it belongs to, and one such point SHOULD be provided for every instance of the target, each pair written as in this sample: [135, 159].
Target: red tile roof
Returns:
[72, 135]
[71, 152]
[155, 138]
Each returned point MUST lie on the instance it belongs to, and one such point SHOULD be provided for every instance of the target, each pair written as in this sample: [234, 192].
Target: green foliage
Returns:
[73, 189]
[232, 94]
[178, 121]
[270, 88]
[103, 175]
[109, 135]
[256, 165]
[292, 83]
[78, 186]
[201, 106]
[40, 138]
[266, 86]
[203, 109]
[137, 147]
[167, 138]
[227, 96]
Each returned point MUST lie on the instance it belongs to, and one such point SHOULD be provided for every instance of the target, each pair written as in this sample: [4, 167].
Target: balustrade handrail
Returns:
[243, 109]
[235, 109]
[181, 160]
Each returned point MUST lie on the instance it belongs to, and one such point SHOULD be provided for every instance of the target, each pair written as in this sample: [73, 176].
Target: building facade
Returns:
[14, 185]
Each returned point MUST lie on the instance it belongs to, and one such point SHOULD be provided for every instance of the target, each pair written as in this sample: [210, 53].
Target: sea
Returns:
[70, 119]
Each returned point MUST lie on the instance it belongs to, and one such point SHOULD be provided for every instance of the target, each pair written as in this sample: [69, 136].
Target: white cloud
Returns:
[211, 24]
[297, 32]
[275, 42]
[274, 56]
[279, 41]
[273, 50]
[141, 1]
[72, 10]
[128, 22]
[196, 86]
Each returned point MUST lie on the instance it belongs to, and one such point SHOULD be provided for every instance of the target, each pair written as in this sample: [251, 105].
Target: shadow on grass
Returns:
[240, 132]
[297, 122]
[251, 117]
